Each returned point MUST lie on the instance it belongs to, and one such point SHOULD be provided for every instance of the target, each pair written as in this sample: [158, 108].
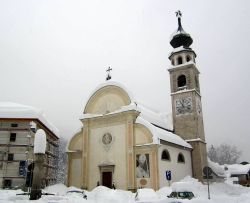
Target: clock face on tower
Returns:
[183, 106]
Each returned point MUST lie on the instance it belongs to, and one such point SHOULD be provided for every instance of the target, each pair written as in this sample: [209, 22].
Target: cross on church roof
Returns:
[108, 71]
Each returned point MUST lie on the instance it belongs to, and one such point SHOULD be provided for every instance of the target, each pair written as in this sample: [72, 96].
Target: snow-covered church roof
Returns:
[19, 111]
[160, 124]
[161, 134]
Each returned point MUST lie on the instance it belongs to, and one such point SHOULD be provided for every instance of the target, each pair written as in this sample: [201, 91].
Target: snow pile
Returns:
[40, 142]
[146, 194]
[58, 189]
[228, 170]
[103, 194]
[238, 169]
[187, 184]
[164, 192]
[218, 169]
[220, 192]
[8, 195]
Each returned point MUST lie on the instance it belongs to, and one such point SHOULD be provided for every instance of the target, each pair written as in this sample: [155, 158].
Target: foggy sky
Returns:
[54, 53]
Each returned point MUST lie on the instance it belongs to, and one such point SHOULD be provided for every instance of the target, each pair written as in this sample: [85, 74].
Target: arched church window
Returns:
[181, 80]
[181, 158]
[179, 59]
[165, 155]
[188, 58]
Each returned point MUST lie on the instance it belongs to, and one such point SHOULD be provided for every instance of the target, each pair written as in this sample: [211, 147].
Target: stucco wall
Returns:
[178, 170]
[101, 154]
[107, 99]
[75, 161]
[75, 170]
[142, 135]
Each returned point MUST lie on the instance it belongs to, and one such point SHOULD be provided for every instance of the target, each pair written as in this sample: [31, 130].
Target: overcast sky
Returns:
[54, 53]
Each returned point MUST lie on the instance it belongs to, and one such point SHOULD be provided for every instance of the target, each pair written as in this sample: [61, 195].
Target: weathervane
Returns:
[108, 71]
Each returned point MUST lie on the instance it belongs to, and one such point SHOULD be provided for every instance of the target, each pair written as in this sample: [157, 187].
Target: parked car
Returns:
[181, 195]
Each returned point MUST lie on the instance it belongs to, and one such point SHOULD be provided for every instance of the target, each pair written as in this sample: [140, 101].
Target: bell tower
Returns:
[186, 97]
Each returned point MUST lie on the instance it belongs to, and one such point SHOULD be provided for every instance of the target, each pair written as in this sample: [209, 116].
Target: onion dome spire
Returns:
[180, 37]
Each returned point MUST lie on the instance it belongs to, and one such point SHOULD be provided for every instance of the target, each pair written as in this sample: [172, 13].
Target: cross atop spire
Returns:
[178, 14]
[108, 75]
[180, 37]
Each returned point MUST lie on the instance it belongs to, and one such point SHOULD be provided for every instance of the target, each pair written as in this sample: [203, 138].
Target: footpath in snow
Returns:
[220, 192]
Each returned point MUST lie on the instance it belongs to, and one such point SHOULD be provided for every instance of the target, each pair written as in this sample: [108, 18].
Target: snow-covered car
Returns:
[181, 195]
[80, 193]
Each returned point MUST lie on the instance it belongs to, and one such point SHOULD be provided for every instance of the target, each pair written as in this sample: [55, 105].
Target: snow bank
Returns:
[58, 189]
[218, 169]
[8, 195]
[187, 184]
[220, 192]
[227, 170]
[238, 169]
[103, 194]
[164, 192]
[146, 194]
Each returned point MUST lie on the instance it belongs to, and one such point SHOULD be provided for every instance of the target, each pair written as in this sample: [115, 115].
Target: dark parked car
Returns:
[181, 195]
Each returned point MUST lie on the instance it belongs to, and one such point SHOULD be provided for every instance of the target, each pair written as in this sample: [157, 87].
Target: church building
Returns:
[126, 145]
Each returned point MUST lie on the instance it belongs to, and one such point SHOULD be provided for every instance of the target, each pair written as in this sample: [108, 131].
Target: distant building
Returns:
[125, 144]
[239, 171]
[18, 124]
[242, 172]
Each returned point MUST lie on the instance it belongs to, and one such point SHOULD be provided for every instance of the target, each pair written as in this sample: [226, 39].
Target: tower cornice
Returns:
[181, 50]
[185, 91]
[184, 66]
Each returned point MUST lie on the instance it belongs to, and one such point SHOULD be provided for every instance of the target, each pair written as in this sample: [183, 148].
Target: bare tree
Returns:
[212, 153]
[61, 175]
[224, 154]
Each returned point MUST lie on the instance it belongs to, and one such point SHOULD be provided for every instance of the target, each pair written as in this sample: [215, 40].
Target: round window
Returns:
[107, 138]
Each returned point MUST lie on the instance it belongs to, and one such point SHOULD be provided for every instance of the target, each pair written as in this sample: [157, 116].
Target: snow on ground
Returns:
[220, 192]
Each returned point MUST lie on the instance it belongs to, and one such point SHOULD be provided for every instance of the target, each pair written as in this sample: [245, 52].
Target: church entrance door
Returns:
[107, 179]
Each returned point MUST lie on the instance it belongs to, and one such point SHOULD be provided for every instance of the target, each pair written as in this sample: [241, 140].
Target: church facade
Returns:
[125, 145]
